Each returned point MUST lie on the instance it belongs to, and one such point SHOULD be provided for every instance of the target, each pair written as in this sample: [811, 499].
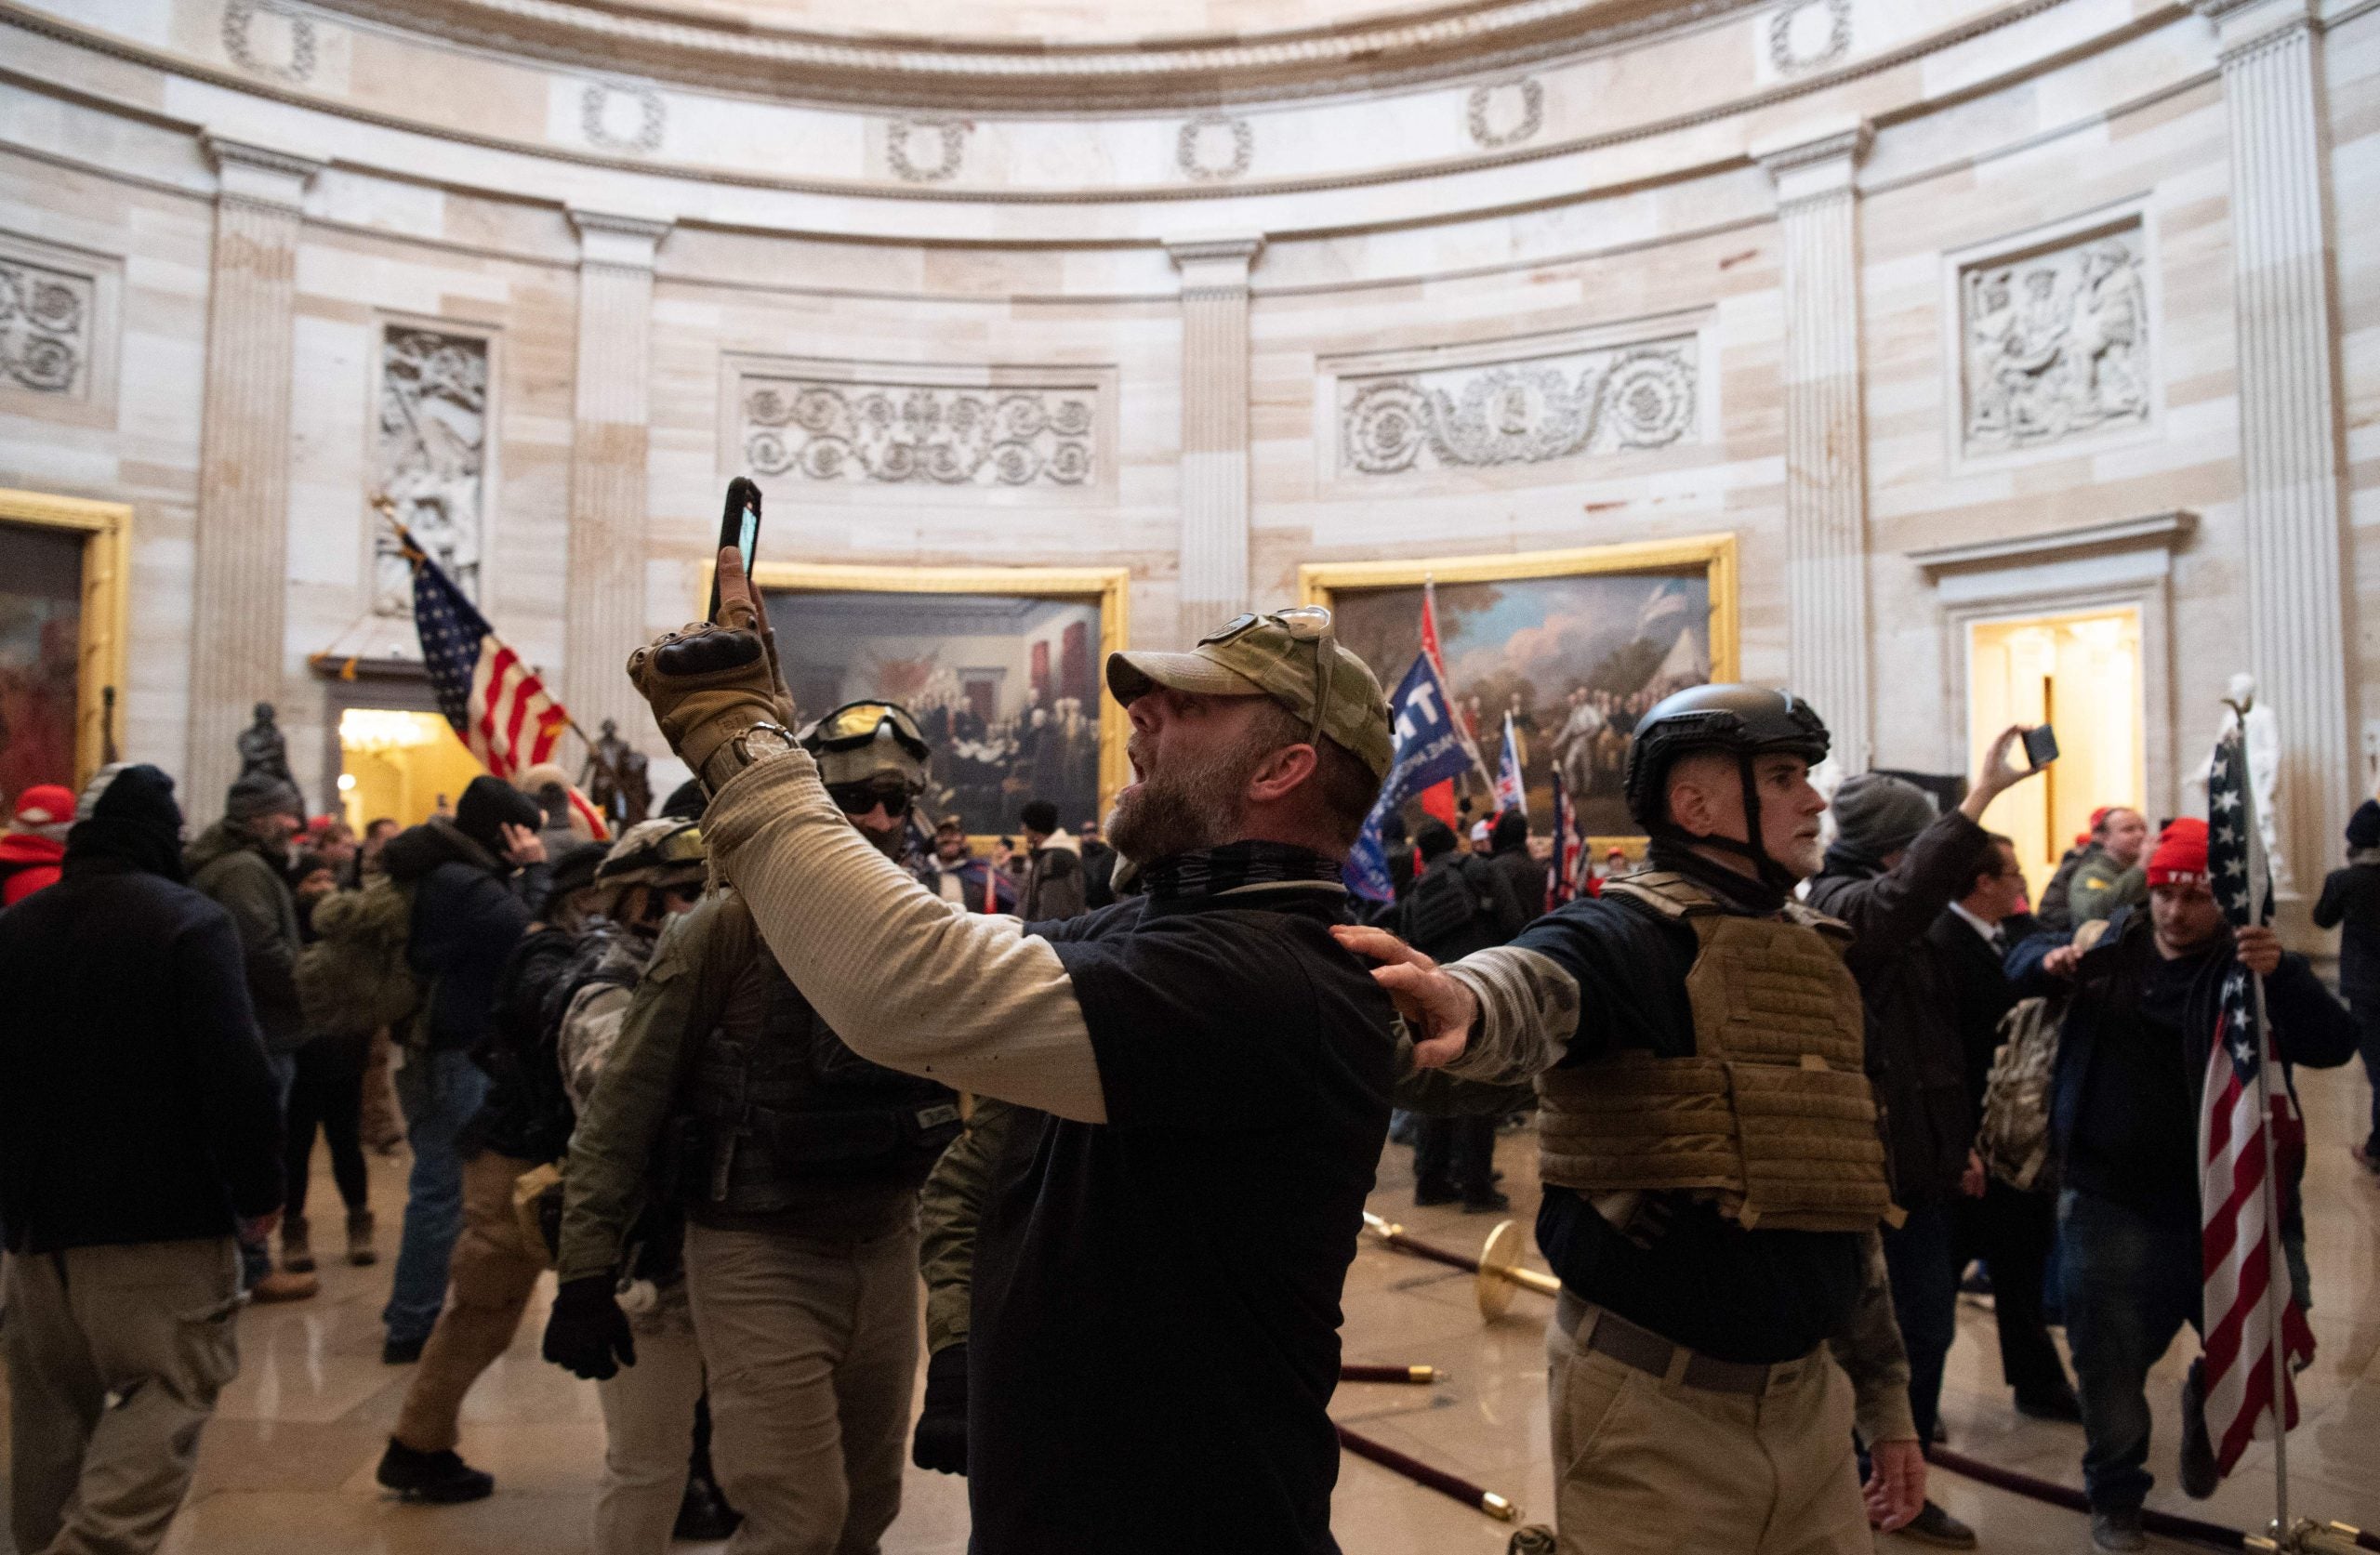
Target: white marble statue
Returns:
[2262, 726]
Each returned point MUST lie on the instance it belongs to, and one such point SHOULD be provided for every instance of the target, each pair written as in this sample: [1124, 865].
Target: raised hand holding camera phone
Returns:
[2001, 773]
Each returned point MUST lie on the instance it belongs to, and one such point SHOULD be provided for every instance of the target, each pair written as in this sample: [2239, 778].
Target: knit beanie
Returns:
[2180, 857]
[2362, 828]
[258, 794]
[1435, 839]
[44, 809]
[129, 814]
[489, 805]
[1511, 831]
[1876, 813]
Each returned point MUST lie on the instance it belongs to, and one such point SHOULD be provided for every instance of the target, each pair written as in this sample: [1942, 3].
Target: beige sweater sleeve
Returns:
[903, 977]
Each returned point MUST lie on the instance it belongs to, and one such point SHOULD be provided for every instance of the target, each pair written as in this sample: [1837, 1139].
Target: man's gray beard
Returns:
[1180, 810]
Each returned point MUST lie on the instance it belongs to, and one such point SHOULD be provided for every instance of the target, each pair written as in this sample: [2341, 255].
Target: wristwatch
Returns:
[761, 742]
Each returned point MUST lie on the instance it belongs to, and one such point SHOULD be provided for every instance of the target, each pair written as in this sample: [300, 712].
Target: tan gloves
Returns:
[708, 684]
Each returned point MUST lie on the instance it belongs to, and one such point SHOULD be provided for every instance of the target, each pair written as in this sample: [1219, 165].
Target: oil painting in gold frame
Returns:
[63, 620]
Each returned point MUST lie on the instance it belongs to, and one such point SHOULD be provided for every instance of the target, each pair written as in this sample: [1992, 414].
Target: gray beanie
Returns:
[1876, 813]
[261, 794]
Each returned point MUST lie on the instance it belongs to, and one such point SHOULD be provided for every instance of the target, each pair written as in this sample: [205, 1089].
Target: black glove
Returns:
[588, 1329]
[941, 1441]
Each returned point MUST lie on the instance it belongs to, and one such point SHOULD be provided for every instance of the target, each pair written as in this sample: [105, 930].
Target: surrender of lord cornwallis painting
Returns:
[1575, 644]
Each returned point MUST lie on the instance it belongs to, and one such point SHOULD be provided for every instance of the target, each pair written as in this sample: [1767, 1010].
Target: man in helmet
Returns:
[1714, 1176]
[796, 1164]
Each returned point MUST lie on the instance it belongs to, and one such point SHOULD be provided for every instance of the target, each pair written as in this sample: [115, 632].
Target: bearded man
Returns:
[1156, 1294]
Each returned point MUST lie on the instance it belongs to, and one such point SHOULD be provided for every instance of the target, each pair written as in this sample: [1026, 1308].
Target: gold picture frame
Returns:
[1320, 583]
[101, 651]
[1109, 588]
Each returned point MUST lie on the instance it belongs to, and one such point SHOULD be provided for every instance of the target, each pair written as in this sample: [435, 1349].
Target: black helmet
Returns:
[1739, 719]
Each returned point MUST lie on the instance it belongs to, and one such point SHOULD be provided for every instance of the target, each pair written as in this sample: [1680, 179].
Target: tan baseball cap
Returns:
[1278, 655]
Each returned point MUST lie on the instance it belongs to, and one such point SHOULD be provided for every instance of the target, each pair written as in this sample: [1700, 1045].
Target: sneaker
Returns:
[360, 1252]
[1491, 1201]
[297, 1252]
[1933, 1525]
[281, 1286]
[2199, 1475]
[401, 1353]
[441, 1479]
[2118, 1530]
[2059, 1405]
[703, 1512]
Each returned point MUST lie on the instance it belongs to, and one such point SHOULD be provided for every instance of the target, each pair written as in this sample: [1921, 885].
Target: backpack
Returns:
[354, 978]
[1451, 907]
[2013, 1136]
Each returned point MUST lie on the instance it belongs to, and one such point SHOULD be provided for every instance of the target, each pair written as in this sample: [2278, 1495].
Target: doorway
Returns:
[401, 764]
[2079, 672]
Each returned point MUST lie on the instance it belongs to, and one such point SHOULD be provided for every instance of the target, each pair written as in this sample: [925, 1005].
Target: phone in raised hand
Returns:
[739, 526]
[2040, 746]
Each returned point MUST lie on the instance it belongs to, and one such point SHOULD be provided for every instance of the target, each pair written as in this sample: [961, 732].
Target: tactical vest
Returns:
[1772, 1118]
[782, 1122]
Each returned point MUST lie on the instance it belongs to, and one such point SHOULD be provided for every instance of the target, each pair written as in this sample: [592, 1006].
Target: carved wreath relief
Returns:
[621, 118]
[269, 38]
[1519, 413]
[2055, 345]
[433, 454]
[924, 434]
[45, 329]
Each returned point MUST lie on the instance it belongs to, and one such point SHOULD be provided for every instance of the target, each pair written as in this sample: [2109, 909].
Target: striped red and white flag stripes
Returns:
[514, 722]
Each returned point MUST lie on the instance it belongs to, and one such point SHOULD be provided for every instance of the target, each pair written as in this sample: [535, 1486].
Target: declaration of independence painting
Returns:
[1573, 647]
[1005, 687]
[41, 624]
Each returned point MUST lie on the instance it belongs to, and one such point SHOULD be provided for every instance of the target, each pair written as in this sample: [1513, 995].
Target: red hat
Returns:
[45, 809]
[2099, 816]
[2180, 857]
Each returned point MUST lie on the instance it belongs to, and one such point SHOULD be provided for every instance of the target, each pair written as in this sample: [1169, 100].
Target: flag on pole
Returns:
[1511, 793]
[2249, 1133]
[500, 709]
[1436, 656]
[1427, 751]
[1563, 880]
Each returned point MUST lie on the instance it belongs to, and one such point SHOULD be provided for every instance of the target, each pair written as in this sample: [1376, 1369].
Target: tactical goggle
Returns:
[857, 723]
[1304, 623]
[678, 848]
[858, 799]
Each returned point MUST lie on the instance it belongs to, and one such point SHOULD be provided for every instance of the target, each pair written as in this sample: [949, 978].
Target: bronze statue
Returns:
[263, 748]
[614, 780]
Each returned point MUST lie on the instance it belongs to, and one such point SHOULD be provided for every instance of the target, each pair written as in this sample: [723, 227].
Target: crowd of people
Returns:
[745, 1075]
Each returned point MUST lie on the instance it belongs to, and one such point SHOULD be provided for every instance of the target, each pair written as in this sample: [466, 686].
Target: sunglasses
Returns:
[1304, 623]
[858, 799]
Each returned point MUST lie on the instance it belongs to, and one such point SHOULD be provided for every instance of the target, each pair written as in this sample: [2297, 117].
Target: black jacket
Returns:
[528, 1114]
[135, 1101]
[2351, 905]
[1916, 1049]
[1527, 877]
[1980, 991]
[1496, 914]
[469, 911]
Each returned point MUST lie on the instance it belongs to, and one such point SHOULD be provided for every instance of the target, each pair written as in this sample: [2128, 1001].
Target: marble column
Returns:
[604, 616]
[1214, 429]
[2289, 415]
[1826, 456]
[237, 655]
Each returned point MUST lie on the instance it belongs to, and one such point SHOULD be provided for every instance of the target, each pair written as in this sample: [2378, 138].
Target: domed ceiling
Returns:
[1038, 55]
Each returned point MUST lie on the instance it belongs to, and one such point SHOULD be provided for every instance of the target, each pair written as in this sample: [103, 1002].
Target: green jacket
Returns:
[237, 870]
[2100, 888]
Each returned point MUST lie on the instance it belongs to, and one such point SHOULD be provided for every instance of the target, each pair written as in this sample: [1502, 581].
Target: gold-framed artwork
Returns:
[65, 600]
[1002, 667]
[1575, 643]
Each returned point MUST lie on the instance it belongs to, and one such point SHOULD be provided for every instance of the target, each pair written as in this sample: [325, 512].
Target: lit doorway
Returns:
[399, 763]
[2080, 673]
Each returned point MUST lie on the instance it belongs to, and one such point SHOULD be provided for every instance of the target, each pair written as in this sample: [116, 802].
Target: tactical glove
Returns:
[941, 1443]
[708, 684]
[587, 1330]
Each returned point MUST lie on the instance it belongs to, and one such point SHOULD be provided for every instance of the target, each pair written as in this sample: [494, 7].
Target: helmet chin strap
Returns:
[1771, 874]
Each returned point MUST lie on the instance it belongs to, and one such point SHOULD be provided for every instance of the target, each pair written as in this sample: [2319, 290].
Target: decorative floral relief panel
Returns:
[2056, 344]
[1523, 412]
[434, 457]
[923, 434]
[45, 329]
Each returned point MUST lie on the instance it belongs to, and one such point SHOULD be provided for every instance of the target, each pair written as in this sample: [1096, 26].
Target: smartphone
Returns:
[738, 526]
[2040, 746]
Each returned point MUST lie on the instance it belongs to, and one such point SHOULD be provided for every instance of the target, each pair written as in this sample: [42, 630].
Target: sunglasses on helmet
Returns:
[858, 723]
[1304, 624]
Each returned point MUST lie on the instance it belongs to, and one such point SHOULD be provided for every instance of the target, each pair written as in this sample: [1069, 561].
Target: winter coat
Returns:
[135, 1101]
[1527, 876]
[27, 863]
[1054, 884]
[244, 877]
[1916, 1046]
[470, 910]
[2350, 903]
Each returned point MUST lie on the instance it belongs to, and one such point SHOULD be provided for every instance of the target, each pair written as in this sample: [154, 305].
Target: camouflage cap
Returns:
[1276, 656]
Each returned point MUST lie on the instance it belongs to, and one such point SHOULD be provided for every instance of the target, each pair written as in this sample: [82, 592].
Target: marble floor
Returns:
[287, 1466]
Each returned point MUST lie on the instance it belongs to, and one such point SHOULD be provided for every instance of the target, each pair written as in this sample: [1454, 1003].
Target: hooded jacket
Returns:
[470, 910]
[238, 871]
[2350, 902]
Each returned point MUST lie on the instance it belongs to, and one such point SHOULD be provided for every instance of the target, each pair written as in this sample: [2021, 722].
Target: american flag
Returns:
[498, 706]
[1512, 789]
[2245, 1095]
[1570, 848]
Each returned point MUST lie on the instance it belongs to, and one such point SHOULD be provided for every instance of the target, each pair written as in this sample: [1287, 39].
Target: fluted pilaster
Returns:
[2289, 418]
[1214, 429]
[603, 617]
[1826, 458]
[241, 562]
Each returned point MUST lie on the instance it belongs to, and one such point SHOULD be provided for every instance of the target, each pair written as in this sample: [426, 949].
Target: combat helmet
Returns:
[1732, 718]
[662, 853]
[869, 744]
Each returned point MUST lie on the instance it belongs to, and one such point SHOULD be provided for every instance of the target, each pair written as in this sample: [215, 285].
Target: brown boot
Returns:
[281, 1286]
[295, 1254]
[359, 1238]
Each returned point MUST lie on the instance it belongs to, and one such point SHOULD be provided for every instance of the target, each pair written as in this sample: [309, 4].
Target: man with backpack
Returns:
[1461, 902]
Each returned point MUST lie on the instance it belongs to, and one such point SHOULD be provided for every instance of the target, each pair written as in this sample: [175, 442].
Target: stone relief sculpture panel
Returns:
[926, 150]
[2055, 344]
[1214, 148]
[45, 329]
[434, 457]
[269, 38]
[1521, 412]
[1505, 112]
[1808, 33]
[621, 118]
[922, 434]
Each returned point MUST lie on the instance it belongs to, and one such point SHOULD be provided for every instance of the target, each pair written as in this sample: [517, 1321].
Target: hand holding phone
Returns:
[2040, 746]
[739, 527]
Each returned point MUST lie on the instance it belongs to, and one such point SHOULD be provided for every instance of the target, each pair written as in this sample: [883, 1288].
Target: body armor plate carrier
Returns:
[1772, 1117]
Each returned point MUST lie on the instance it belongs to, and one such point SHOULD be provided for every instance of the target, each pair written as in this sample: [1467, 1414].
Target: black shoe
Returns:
[704, 1514]
[442, 1479]
[401, 1353]
[2118, 1530]
[1488, 1203]
[2059, 1405]
[2199, 1473]
[1424, 1198]
[1933, 1525]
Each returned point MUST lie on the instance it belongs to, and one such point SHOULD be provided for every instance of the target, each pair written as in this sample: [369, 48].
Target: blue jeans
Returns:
[440, 1092]
[2130, 1283]
[1926, 1303]
[256, 1258]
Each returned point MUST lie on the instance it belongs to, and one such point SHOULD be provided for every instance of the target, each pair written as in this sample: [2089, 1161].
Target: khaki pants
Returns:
[648, 1433]
[493, 1276]
[1648, 1466]
[115, 1356]
[811, 1350]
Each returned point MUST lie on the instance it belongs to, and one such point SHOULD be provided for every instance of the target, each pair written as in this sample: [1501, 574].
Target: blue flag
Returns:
[1429, 749]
